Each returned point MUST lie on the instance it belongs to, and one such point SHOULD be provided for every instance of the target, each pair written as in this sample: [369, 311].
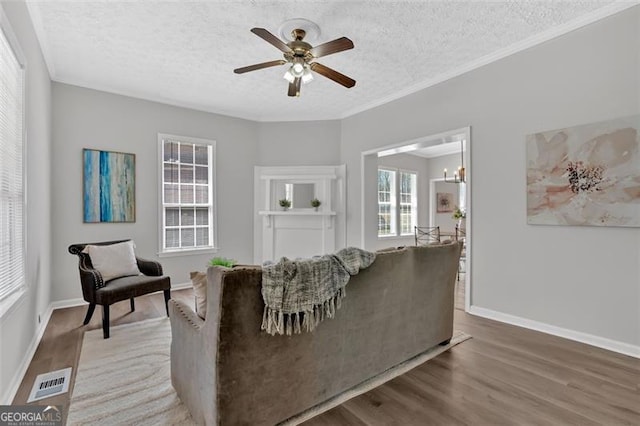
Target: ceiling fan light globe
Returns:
[307, 77]
[297, 69]
[289, 76]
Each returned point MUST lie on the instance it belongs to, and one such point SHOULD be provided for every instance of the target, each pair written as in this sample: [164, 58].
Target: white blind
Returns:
[11, 175]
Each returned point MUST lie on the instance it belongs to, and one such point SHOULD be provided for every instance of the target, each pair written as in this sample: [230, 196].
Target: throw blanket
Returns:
[298, 294]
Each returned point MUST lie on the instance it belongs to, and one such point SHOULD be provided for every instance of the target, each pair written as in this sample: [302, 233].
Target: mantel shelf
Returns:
[294, 212]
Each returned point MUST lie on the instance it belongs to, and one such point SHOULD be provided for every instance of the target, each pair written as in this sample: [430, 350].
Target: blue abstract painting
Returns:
[109, 186]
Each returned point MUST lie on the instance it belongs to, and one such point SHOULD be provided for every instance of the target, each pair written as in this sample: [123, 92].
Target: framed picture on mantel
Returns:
[109, 186]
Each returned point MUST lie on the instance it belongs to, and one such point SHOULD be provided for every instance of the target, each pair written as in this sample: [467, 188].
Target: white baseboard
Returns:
[12, 389]
[69, 303]
[181, 286]
[578, 336]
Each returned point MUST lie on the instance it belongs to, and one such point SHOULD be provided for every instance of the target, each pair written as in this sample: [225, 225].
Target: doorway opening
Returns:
[426, 157]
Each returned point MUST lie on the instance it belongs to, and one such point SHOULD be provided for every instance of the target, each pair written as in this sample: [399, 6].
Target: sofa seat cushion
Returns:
[133, 286]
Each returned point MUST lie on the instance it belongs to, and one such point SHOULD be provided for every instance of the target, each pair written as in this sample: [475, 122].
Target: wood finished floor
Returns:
[504, 375]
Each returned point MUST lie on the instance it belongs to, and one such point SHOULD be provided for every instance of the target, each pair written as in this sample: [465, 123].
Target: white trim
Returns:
[67, 303]
[578, 336]
[181, 286]
[188, 252]
[12, 389]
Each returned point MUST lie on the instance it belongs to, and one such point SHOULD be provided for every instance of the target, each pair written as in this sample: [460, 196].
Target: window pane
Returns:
[171, 216]
[187, 216]
[170, 173]
[188, 237]
[202, 154]
[170, 151]
[202, 216]
[186, 174]
[170, 193]
[202, 175]
[186, 153]
[172, 238]
[202, 236]
[186, 194]
[202, 194]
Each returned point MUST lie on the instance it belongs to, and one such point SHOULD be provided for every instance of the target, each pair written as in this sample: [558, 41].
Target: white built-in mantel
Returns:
[300, 231]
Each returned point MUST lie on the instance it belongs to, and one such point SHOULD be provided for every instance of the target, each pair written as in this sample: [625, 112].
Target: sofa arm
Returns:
[193, 362]
[186, 319]
[150, 268]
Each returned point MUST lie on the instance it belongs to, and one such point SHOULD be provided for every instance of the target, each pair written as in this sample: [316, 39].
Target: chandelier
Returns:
[459, 176]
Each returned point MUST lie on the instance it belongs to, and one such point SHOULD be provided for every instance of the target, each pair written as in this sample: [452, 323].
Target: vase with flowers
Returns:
[460, 215]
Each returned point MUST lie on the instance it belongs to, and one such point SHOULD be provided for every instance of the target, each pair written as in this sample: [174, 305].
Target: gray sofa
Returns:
[228, 372]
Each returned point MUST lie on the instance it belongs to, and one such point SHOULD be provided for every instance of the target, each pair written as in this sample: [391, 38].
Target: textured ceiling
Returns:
[184, 53]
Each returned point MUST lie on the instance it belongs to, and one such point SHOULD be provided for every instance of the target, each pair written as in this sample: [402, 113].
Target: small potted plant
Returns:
[315, 203]
[284, 203]
[222, 261]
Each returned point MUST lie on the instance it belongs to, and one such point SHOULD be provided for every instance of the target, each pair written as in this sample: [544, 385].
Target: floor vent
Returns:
[50, 384]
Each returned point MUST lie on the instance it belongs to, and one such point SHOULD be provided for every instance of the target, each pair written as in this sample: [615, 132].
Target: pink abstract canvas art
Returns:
[585, 175]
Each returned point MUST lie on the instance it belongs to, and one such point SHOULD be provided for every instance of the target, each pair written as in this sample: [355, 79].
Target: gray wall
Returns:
[415, 164]
[299, 143]
[18, 327]
[577, 278]
[84, 118]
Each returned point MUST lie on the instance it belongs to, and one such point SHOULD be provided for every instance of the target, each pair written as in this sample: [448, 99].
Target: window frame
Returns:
[213, 217]
[396, 223]
[11, 300]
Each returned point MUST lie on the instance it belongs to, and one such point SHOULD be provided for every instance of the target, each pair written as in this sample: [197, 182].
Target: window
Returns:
[12, 272]
[386, 202]
[397, 202]
[408, 203]
[187, 194]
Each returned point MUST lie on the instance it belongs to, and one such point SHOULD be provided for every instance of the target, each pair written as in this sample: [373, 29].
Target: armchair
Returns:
[97, 291]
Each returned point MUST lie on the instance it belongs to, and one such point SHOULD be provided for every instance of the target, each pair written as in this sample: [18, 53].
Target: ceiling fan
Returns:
[302, 55]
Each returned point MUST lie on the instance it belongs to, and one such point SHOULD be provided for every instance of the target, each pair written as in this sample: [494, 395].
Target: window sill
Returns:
[13, 301]
[188, 252]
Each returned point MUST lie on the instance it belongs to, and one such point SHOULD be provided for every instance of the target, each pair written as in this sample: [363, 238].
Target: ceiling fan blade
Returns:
[294, 88]
[270, 38]
[333, 75]
[260, 66]
[330, 47]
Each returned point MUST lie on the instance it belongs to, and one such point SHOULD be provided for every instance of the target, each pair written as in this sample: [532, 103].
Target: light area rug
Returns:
[126, 379]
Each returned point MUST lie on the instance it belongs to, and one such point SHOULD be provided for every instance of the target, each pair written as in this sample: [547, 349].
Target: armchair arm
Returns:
[90, 279]
[149, 267]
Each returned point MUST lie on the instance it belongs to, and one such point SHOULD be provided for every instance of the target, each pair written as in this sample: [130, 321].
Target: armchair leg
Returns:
[133, 305]
[87, 318]
[105, 321]
[167, 296]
